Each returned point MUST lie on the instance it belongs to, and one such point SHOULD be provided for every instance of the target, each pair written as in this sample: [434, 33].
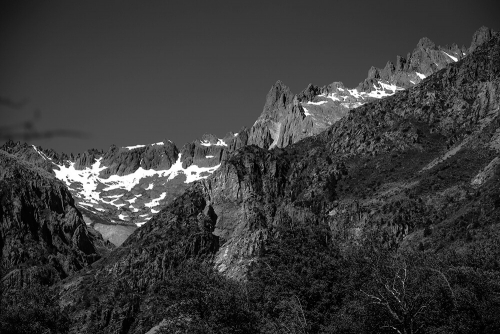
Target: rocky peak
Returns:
[425, 43]
[309, 93]
[159, 157]
[334, 87]
[482, 35]
[400, 63]
[373, 73]
[87, 158]
[389, 70]
[278, 97]
[206, 152]
[210, 138]
[31, 153]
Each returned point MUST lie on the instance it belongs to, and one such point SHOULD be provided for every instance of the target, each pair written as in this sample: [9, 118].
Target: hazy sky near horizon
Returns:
[138, 72]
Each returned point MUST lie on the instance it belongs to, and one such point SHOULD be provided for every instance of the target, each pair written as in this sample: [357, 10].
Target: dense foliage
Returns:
[304, 283]
[33, 309]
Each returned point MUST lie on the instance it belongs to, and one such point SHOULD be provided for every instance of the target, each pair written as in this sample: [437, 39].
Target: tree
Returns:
[407, 299]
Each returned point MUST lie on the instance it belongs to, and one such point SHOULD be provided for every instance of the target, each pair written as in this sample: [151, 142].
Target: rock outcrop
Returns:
[481, 36]
[87, 159]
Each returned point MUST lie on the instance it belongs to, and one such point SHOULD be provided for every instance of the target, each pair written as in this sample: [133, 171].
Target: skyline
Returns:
[123, 73]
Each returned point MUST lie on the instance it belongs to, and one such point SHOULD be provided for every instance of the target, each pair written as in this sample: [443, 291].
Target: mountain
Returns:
[123, 188]
[413, 173]
[288, 118]
[43, 237]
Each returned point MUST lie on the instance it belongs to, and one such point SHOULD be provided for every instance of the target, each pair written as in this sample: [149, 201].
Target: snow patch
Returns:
[112, 196]
[390, 87]
[41, 153]
[89, 178]
[318, 103]
[220, 142]
[306, 112]
[139, 146]
[156, 201]
[455, 59]
[382, 91]
[354, 92]
[209, 156]
[133, 199]
[134, 147]
[353, 105]
[193, 172]
[420, 75]
[331, 96]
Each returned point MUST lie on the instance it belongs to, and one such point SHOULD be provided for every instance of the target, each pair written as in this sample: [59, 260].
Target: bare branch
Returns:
[445, 279]
[394, 328]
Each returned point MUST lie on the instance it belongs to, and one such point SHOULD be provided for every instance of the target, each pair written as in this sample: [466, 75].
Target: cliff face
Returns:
[42, 235]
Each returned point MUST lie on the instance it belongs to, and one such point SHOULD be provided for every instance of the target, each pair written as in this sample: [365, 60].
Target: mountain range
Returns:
[126, 186]
[406, 162]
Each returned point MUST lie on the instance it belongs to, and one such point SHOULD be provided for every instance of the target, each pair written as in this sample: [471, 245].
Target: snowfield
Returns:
[93, 189]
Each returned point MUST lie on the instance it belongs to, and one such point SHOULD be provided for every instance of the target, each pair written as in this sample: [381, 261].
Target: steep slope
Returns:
[417, 170]
[42, 235]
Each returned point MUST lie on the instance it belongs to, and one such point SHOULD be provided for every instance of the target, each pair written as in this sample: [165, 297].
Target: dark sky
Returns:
[136, 72]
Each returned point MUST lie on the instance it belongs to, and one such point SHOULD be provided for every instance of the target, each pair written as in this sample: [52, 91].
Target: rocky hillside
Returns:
[43, 237]
[417, 171]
